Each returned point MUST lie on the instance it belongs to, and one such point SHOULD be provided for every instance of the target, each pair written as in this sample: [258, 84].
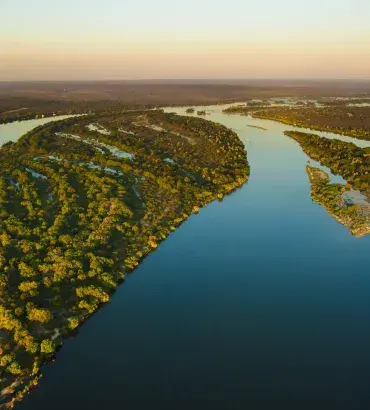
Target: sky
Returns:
[171, 39]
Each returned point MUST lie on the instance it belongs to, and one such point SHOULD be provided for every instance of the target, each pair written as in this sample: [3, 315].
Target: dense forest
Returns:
[343, 158]
[347, 160]
[344, 120]
[20, 109]
[82, 202]
[344, 101]
[243, 109]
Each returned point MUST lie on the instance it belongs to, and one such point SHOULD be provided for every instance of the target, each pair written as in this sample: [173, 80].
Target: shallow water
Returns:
[262, 301]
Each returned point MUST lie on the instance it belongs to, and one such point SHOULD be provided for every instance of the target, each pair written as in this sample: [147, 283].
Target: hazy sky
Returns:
[127, 39]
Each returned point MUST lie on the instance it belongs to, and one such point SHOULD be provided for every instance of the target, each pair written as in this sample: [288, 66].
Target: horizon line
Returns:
[191, 79]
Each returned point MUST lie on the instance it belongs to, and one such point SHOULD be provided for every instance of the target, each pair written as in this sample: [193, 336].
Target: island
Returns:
[259, 103]
[339, 201]
[245, 109]
[343, 120]
[256, 126]
[343, 158]
[83, 201]
[350, 202]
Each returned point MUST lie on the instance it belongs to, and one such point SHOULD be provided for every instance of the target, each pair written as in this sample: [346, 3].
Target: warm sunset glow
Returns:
[126, 40]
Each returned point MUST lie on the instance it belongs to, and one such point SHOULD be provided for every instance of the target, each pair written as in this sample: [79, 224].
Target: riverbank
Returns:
[348, 121]
[11, 131]
[346, 159]
[333, 198]
[89, 198]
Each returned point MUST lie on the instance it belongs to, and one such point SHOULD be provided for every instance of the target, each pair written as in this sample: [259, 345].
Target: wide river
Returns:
[260, 302]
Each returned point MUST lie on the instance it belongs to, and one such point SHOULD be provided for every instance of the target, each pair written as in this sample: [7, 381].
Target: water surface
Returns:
[13, 130]
[262, 301]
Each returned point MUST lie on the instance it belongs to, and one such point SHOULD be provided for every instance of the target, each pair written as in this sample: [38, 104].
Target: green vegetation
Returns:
[82, 202]
[343, 158]
[190, 111]
[347, 160]
[344, 101]
[242, 109]
[351, 121]
[260, 103]
[201, 112]
[34, 109]
[332, 196]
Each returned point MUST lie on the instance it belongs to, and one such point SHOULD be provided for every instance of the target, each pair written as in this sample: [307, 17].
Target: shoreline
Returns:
[314, 127]
[336, 206]
[152, 231]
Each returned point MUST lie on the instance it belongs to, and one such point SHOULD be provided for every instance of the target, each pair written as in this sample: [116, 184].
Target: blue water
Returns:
[262, 301]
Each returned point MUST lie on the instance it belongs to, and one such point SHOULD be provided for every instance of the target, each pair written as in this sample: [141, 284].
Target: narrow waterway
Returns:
[262, 301]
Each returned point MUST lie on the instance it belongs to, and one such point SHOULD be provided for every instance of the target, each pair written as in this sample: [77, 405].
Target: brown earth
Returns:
[175, 91]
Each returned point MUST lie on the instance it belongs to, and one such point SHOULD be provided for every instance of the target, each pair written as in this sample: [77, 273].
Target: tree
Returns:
[47, 347]
[39, 315]
[73, 323]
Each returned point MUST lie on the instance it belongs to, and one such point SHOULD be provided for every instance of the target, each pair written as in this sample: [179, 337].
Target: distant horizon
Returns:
[197, 79]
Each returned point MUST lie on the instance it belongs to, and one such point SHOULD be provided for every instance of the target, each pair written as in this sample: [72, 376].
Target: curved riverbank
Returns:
[83, 204]
[358, 137]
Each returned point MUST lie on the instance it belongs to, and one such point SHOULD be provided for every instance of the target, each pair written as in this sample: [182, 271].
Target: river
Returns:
[262, 301]
[13, 130]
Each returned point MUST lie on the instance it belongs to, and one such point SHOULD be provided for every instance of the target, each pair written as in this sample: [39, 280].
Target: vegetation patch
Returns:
[338, 119]
[243, 109]
[343, 158]
[353, 164]
[356, 218]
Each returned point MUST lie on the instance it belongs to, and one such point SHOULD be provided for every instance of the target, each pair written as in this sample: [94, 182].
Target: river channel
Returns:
[262, 301]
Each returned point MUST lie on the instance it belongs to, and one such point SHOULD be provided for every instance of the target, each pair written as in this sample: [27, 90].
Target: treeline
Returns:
[332, 197]
[25, 109]
[344, 101]
[343, 158]
[243, 109]
[351, 121]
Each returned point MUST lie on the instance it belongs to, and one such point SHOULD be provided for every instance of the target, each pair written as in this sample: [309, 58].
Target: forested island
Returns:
[242, 109]
[335, 198]
[343, 120]
[343, 158]
[353, 164]
[83, 201]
